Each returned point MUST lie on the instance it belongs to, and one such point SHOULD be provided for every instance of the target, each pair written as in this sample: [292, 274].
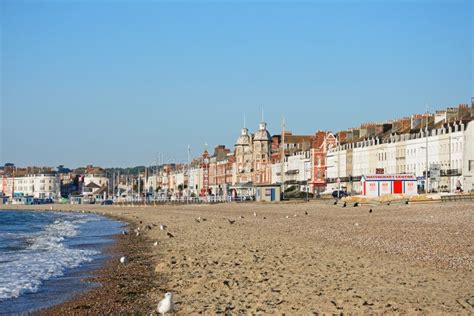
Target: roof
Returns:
[102, 190]
[92, 185]
[262, 134]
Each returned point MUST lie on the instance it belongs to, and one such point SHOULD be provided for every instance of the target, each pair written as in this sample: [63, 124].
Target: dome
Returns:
[244, 138]
[262, 134]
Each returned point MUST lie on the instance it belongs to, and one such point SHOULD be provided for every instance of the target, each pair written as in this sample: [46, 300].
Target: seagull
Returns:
[162, 227]
[124, 232]
[166, 305]
[294, 215]
[138, 233]
[370, 211]
[170, 235]
[356, 204]
[241, 217]
[197, 220]
[264, 217]
[287, 216]
[231, 221]
[305, 213]
[155, 244]
[123, 260]
[254, 214]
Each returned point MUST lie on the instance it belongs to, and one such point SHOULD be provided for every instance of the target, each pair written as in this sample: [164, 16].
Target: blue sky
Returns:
[117, 83]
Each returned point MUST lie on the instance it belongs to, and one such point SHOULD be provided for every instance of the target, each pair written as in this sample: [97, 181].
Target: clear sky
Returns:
[116, 83]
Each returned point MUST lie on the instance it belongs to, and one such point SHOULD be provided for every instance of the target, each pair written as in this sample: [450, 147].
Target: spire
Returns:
[262, 116]
[245, 122]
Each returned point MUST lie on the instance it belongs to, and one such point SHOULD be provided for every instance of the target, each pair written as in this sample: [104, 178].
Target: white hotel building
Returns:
[36, 185]
[450, 146]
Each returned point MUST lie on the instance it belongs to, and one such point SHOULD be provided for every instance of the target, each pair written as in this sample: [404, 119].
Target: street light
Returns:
[426, 167]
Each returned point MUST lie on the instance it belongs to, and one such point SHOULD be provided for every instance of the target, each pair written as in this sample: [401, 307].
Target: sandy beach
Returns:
[415, 258]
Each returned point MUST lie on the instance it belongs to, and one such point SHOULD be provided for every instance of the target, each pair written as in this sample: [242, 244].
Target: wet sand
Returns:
[415, 258]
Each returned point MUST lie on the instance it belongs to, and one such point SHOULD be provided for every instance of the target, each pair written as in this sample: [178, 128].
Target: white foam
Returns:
[46, 256]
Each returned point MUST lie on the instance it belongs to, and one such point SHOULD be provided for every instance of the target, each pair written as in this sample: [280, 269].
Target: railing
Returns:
[458, 197]
[184, 200]
[344, 179]
[450, 172]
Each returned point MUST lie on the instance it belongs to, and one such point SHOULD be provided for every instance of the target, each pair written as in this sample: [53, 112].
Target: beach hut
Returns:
[268, 193]
[384, 184]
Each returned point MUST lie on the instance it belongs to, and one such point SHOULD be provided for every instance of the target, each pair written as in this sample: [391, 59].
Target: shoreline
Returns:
[119, 289]
[398, 259]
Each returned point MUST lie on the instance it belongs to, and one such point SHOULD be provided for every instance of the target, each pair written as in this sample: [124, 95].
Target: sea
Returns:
[45, 255]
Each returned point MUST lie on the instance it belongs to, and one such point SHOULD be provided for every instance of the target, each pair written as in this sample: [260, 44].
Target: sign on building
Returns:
[378, 185]
[435, 172]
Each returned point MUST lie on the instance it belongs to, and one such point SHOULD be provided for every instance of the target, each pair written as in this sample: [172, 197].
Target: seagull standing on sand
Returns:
[155, 244]
[162, 227]
[254, 214]
[123, 260]
[166, 305]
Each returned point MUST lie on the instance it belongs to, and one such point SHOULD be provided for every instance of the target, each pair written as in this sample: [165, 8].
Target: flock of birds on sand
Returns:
[166, 305]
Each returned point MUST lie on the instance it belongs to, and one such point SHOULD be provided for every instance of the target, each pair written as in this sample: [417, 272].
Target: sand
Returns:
[396, 259]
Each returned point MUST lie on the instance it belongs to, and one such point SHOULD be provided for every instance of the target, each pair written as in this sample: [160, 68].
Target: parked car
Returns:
[107, 202]
[340, 195]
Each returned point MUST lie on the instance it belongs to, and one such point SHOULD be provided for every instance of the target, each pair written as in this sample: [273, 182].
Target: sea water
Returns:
[44, 256]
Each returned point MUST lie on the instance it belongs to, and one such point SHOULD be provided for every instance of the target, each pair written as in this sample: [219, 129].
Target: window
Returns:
[471, 165]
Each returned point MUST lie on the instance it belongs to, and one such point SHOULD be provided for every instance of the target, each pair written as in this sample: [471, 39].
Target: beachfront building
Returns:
[468, 159]
[296, 171]
[94, 184]
[250, 164]
[429, 143]
[261, 145]
[41, 186]
[243, 153]
[319, 147]
[195, 180]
